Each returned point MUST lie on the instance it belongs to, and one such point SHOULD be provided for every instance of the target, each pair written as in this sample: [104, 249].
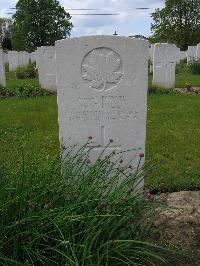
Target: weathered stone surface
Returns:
[33, 57]
[191, 54]
[13, 59]
[164, 63]
[102, 93]
[47, 67]
[2, 71]
[23, 58]
[183, 55]
[5, 58]
[198, 52]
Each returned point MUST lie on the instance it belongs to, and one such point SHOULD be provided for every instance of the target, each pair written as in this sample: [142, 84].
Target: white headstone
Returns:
[23, 58]
[178, 55]
[102, 92]
[183, 55]
[2, 70]
[13, 59]
[47, 67]
[5, 58]
[164, 64]
[191, 54]
[33, 57]
[151, 51]
[198, 52]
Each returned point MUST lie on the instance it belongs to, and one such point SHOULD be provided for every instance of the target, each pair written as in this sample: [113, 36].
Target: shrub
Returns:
[25, 91]
[28, 71]
[89, 215]
[157, 90]
[182, 67]
[31, 71]
[20, 73]
[5, 92]
[195, 67]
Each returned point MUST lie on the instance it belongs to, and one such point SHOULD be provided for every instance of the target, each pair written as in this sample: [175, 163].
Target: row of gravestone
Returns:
[192, 54]
[164, 57]
[14, 59]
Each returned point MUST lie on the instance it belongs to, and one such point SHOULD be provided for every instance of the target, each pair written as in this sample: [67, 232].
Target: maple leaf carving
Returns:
[101, 69]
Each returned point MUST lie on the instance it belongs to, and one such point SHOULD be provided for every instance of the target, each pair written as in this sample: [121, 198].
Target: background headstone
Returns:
[33, 57]
[2, 70]
[164, 64]
[183, 55]
[198, 52]
[102, 92]
[191, 54]
[23, 58]
[47, 67]
[13, 60]
[151, 51]
[5, 58]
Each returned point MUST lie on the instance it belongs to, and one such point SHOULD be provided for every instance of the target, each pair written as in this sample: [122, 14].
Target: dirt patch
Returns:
[190, 90]
[178, 220]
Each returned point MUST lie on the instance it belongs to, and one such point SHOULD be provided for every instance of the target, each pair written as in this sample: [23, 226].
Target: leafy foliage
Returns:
[28, 71]
[39, 23]
[154, 90]
[26, 91]
[195, 67]
[5, 92]
[5, 33]
[182, 67]
[178, 22]
[79, 217]
[23, 91]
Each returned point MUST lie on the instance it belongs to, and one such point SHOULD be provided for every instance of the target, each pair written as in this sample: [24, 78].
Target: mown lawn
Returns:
[29, 127]
[182, 79]
[12, 83]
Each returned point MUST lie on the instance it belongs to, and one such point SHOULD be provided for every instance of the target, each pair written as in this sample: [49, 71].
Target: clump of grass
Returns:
[28, 71]
[88, 215]
[159, 91]
[28, 90]
[182, 68]
[23, 91]
[195, 67]
[5, 93]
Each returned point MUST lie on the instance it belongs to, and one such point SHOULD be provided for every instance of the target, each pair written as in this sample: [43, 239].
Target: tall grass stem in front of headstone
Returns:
[83, 216]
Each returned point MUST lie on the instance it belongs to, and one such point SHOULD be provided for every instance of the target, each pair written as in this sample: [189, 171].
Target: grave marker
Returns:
[102, 92]
[47, 67]
[13, 59]
[164, 63]
[191, 54]
[2, 70]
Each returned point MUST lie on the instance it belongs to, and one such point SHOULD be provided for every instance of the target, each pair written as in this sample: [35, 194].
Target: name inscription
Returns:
[104, 108]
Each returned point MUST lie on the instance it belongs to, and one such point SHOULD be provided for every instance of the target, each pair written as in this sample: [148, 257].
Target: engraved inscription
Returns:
[102, 68]
[105, 108]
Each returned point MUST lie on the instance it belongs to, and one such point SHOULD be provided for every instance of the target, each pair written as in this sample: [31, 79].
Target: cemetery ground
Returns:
[173, 129]
[30, 148]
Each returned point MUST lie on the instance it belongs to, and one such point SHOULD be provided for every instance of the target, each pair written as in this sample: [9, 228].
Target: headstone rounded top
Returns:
[103, 37]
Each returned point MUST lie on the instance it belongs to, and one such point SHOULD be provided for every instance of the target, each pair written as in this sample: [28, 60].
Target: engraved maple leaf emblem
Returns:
[101, 69]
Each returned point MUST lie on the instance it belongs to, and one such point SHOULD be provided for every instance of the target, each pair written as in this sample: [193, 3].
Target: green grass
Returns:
[173, 130]
[181, 80]
[77, 218]
[12, 83]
